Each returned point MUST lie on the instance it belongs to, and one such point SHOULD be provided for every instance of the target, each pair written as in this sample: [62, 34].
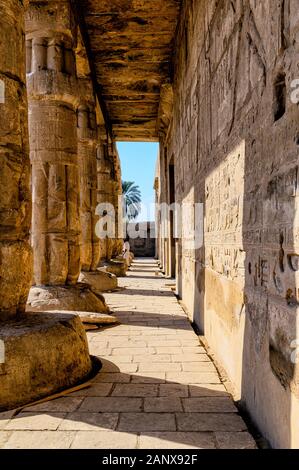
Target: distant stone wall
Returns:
[144, 246]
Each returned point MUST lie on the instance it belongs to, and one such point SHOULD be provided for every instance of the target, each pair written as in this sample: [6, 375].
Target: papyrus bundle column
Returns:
[117, 198]
[105, 191]
[15, 197]
[53, 99]
[87, 154]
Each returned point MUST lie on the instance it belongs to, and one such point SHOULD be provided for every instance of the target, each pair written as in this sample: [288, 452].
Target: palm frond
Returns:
[132, 199]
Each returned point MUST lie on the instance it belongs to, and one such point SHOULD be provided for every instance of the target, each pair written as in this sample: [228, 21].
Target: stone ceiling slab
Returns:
[131, 46]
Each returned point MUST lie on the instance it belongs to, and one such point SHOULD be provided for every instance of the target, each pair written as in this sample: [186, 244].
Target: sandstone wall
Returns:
[144, 245]
[235, 141]
[15, 198]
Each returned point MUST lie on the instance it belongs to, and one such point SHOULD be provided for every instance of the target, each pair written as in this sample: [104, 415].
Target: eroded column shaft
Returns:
[15, 197]
[53, 99]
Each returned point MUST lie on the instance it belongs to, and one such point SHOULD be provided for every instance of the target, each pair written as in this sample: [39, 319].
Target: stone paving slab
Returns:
[141, 422]
[177, 440]
[40, 440]
[104, 440]
[121, 404]
[35, 422]
[80, 421]
[157, 389]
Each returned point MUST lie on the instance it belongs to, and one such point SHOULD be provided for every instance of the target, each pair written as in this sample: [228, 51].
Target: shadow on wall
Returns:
[246, 277]
[270, 234]
[249, 304]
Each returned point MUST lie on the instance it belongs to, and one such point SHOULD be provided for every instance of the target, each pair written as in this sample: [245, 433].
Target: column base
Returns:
[117, 266]
[99, 281]
[66, 298]
[44, 354]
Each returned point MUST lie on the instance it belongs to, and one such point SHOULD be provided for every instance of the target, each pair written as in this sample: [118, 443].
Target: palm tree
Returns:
[132, 200]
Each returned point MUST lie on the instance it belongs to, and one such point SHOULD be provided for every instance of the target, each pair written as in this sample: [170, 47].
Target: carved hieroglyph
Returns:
[53, 99]
[224, 217]
[15, 199]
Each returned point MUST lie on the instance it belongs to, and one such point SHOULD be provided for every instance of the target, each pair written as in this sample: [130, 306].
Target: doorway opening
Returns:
[138, 167]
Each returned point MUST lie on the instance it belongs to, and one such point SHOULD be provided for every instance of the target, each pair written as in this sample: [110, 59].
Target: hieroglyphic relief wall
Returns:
[234, 139]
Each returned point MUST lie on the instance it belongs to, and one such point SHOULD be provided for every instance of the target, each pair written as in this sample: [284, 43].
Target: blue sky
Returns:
[138, 164]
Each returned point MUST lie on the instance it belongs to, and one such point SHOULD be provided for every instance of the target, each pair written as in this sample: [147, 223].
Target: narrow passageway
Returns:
[157, 388]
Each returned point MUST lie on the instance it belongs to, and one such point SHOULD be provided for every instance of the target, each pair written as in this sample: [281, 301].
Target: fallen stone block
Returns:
[117, 267]
[99, 281]
[66, 298]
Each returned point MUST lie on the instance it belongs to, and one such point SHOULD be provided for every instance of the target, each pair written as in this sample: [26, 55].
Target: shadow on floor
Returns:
[165, 414]
[150, 292]
[175, 322]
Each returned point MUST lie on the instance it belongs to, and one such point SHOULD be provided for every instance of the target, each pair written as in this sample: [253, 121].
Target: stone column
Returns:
[15, 197]
[108, 185]
[87, 154]
[53, 101]
[53, 97]
[117, 193]
[90, 248]
[104, 191]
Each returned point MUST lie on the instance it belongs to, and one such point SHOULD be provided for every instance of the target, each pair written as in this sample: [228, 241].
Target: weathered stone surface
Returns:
[71, 298]
[40, 440]
[116, 267]
[35, 422]
[15, 201]
[141, 422]
[104, 440]
[97, 318]
[89, 422]
[99, 280]
[32, 367]
[210, 422]
[177, 440]
[235, 440]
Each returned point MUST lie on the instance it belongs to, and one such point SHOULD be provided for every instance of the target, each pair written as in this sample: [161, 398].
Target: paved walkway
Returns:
[157, 388]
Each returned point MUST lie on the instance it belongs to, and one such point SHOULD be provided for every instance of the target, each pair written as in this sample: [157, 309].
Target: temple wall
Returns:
[234, 143]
